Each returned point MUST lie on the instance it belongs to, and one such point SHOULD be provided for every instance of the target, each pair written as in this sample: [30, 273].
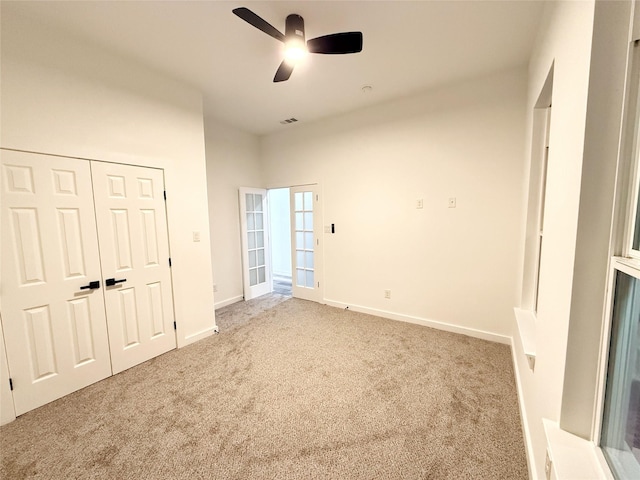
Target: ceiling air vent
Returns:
[289, 120]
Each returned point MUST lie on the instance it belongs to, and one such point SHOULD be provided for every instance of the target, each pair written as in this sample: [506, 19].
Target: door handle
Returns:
[110, 282]
[92, 285]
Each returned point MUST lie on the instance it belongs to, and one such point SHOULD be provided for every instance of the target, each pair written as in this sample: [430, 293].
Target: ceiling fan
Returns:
[294, 40]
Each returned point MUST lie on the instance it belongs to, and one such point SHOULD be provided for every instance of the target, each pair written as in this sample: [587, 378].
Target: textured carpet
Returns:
[288, 389]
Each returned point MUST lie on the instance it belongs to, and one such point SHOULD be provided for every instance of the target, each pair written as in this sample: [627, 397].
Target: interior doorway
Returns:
[281, 241]
[280, 233]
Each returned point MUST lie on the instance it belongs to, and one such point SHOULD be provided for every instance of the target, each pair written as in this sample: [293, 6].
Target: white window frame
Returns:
[634, 191]
[538, 168]
[542, 196]
[630, 144]
[627, 259]
[630, 267]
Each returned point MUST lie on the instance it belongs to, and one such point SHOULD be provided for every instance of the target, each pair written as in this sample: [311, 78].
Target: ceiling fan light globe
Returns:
[294, 54]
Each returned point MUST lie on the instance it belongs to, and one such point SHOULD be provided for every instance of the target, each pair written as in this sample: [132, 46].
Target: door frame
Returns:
[276, 214]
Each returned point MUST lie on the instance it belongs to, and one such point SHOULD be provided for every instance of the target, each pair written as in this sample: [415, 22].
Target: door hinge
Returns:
[175, 325]
[11, 384]
[165, 195]
[169, 261]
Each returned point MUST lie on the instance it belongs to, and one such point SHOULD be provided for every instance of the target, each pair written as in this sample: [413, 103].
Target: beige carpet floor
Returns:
[288, 390]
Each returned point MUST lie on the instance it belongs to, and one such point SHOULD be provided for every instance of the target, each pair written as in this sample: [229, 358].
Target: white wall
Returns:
[280, 220]
[66, 97]
[455, 266]
[564, 42]
[232, 162]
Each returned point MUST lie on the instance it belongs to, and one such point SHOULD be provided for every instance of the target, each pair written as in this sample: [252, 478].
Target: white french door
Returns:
[134, 253]
[52, 304]
[306, 251]
[256, 255]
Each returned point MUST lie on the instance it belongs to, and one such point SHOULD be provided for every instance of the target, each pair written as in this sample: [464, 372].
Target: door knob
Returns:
[92, 285]
[110, 282]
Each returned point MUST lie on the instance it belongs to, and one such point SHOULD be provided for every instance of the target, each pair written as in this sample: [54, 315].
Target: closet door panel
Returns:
[54, 323]
[134, 252]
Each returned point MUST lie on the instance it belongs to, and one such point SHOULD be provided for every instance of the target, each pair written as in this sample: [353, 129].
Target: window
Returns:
[633, 230]
[620, 438]
[620, 421]
[541, 126]
[541, 202]
[526, 314]
[636, 235]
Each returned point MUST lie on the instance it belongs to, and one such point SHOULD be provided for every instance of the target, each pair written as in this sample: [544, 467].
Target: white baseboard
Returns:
[197, 336]
[7, 419]
[531, 461]
[227, 302]
[447, 327]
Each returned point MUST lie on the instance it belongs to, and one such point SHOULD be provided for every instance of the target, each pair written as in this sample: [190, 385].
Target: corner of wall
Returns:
[232, 161]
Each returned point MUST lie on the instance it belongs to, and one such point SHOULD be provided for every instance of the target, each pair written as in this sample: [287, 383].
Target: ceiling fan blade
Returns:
[253, 19]
[336, 43]
[284, 71]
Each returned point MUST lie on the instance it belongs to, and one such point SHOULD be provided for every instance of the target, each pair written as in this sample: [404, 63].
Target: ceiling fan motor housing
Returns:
[294, 28]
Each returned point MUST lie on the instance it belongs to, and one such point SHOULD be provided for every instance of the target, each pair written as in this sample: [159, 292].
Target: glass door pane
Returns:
[304, 247]
[255, 238]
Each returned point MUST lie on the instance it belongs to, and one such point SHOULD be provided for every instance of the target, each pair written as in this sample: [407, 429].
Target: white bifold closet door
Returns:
[86, 285]
[134, 252]
[54, 325]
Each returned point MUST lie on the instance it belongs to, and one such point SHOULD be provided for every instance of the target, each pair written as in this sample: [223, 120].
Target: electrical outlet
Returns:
[547, 466]
[452, 202]
[387, 294]
[420, 203]
[196, 236]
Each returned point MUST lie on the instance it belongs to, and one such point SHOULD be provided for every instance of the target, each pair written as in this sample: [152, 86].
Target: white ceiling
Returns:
[409, 46]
